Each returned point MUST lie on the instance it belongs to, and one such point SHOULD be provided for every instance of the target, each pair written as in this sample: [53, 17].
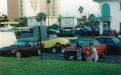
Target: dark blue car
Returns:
[113, 44]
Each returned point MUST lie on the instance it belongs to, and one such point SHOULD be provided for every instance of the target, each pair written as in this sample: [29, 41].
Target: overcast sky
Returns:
[67, 7]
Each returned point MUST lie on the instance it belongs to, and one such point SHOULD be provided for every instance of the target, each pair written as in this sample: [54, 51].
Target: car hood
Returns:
[11, 48]
[63, 40]
[118, 44]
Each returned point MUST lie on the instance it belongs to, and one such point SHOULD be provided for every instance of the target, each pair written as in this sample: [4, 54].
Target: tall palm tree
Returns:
[81, 9]
[48, 2]
[40, 17]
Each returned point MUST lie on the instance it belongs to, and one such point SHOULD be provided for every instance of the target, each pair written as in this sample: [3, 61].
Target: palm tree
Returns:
[48, 2]
[40, 17]
[92, 19]
[81, 9]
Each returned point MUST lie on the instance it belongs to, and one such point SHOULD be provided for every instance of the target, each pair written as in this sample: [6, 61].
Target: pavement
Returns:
[112, 59]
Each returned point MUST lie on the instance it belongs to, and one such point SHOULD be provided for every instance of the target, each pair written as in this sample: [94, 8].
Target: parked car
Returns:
[113, 44]
[86, 31]
[71, 50]
[22, 48]
[110, 33]
[52, 31]
[55, 44]
[67, 29]
[73, 40]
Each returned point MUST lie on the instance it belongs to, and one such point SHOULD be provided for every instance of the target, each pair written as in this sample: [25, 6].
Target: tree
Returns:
[82, 21]
[3, 18]
[54, 26]
[40, 17]
[22, 21]
[81, 9]
[48, 2]
[59, 20]
[92, 20]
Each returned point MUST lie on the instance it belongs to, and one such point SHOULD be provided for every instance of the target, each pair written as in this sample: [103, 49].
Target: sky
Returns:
[67, 7]
[70, 7]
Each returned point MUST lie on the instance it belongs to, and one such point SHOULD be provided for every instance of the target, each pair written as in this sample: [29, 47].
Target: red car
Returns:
[22, 48]
[71, 50]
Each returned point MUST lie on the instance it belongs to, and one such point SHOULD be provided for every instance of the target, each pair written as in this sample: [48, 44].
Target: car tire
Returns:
[54, 51]
[58, 47]
[18, 54]
[39, 52]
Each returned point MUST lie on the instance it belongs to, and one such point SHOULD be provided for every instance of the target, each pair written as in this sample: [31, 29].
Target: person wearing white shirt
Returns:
[94, 56]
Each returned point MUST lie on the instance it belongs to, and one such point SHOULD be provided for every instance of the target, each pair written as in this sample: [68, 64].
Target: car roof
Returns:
[28, 39]
[88, 39]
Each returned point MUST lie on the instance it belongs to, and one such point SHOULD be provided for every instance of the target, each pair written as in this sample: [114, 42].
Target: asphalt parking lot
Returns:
[113, 59]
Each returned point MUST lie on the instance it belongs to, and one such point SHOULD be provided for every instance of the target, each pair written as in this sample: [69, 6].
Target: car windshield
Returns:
[73, 41]
[85, 42]
[20, 43]
[116, 40]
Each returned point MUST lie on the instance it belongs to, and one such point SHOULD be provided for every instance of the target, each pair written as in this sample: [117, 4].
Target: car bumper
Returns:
[6, 53]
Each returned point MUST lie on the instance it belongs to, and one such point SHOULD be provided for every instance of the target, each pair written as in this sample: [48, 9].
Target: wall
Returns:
[115, 13]
[32, 21]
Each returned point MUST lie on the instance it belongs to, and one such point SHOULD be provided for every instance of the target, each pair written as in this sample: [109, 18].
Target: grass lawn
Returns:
[35, 66]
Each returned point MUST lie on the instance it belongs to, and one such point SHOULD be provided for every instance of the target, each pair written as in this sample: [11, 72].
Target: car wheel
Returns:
[54, 51]
[18, 54]
[58, 47]
[39, 52]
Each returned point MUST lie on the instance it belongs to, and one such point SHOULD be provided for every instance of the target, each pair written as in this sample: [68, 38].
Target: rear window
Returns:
[100, 40]
[73, 40]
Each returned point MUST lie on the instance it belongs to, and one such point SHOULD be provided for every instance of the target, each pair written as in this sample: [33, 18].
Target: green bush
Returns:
[66, 34]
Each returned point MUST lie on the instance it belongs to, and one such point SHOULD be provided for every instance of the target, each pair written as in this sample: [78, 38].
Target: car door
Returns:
[37, 47]
[110, 45]
[48, 43]
[27, 50]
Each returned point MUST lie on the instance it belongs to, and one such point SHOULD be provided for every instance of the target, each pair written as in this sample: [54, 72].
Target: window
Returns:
[30, 44]
[108, 40]
[100, 40]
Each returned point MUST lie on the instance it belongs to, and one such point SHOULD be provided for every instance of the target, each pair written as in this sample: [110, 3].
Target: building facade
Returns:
[13, 9]
[30, 8]
[110, 14]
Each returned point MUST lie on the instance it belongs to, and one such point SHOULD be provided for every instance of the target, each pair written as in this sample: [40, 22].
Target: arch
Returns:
[106, 10]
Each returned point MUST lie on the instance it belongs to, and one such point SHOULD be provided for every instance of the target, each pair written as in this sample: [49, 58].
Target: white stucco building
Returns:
[110, 14]
[33, 22]
[30, 8]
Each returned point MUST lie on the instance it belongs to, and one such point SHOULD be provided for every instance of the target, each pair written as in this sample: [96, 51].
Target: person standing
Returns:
[94, 56]
[79, 51]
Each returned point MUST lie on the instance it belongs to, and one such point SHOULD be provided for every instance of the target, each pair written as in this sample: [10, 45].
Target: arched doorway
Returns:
[106, 16]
